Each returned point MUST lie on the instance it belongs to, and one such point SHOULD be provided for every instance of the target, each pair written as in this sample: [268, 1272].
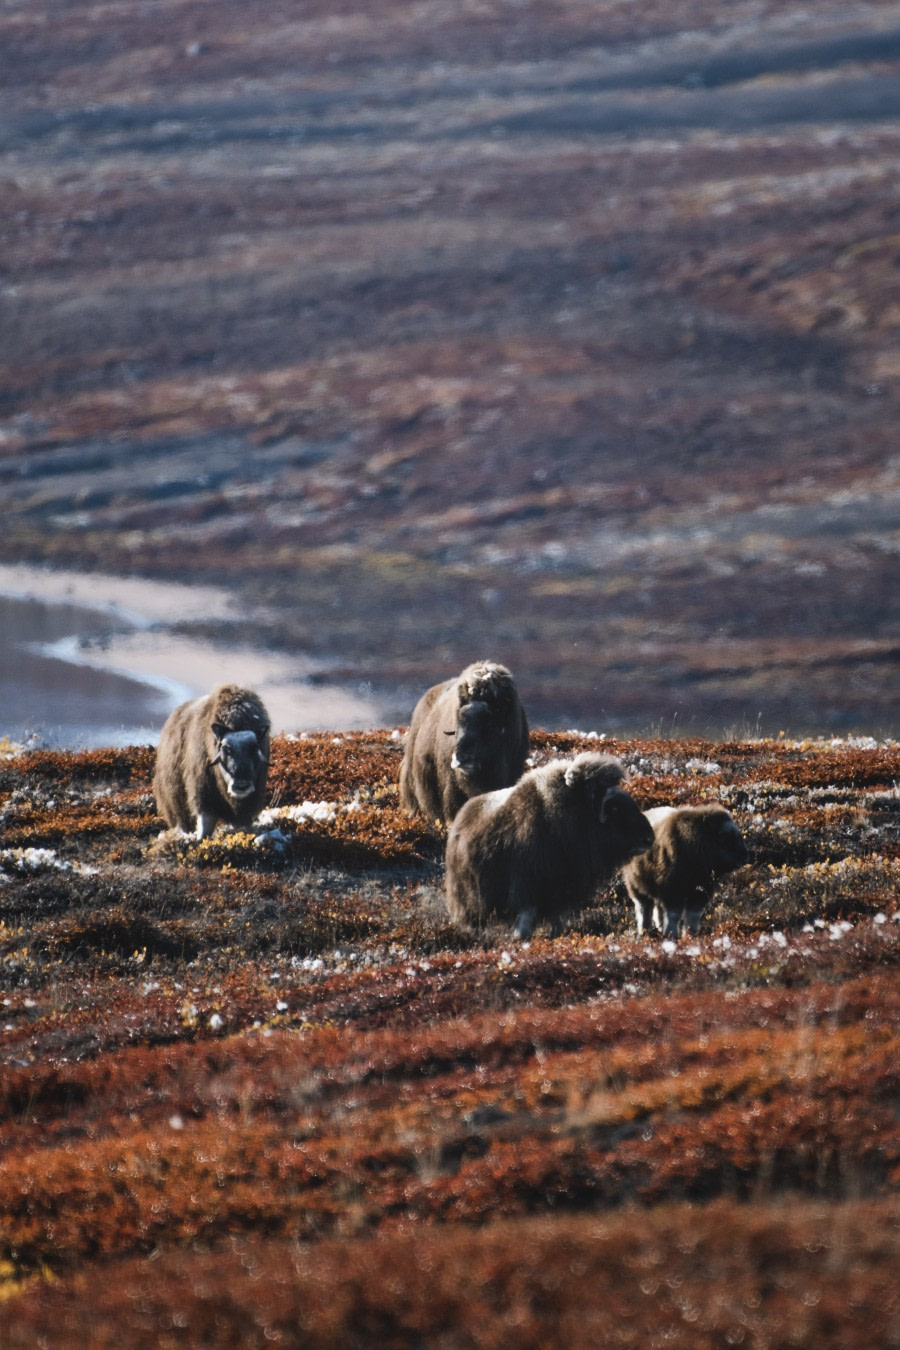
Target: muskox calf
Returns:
[212, 761]
[672, 883]
[467, 736]
[539, 850]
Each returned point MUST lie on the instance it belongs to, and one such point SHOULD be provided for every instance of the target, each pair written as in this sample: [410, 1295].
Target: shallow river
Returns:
[77, 675]
[51, 697]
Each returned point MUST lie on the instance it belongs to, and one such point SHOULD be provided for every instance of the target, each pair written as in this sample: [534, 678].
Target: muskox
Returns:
[672, 883]
[212, 761]
[467, 736]
[539, 850]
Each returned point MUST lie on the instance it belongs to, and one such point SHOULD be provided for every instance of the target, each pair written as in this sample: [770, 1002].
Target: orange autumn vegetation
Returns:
[259, 1090]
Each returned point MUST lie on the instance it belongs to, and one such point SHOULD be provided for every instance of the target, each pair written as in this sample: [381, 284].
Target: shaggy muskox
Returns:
[539, 850]
[212, 761]
[467, 736]
[671, 884]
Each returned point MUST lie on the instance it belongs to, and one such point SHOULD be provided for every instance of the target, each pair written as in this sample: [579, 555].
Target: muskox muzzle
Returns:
[240, 759]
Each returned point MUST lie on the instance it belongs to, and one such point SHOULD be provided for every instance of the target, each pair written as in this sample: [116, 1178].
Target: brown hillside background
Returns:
[562, 333]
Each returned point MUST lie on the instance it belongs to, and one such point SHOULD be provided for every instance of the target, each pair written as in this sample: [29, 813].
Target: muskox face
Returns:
[240, 758]
[726, 849]
[479, 742]
[626, 829]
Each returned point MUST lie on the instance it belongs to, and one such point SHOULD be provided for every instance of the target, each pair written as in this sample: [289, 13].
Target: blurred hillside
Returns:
[560, 333]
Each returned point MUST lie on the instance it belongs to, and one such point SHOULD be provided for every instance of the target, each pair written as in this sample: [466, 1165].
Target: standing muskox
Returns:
[539, 850]
[212, 761]
[467, 736]
[671, 884]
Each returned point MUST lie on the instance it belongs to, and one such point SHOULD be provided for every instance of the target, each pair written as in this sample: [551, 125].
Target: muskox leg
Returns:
[205, 825]
[689, 923]
[665, 919]
[525, 924]
[642, 915]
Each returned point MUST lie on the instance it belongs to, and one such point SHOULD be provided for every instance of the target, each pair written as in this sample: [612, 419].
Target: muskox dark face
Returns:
[479, 744]
[625, 827]
[241, 760]
[727, 850]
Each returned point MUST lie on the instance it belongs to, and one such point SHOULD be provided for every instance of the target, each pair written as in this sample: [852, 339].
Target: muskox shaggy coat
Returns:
[672, 883]
[539, 850]
[467, 736]
[212, 761]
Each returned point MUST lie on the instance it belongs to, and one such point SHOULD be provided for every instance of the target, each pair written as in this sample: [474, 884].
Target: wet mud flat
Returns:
[258, 1087]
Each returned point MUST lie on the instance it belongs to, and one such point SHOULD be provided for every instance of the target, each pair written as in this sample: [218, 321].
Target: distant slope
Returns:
[561, 334]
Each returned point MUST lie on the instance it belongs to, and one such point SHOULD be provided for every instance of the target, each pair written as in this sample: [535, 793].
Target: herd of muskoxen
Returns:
[524, 847]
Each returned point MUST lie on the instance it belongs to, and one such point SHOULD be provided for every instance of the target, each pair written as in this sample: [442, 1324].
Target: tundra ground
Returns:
[258, 1089]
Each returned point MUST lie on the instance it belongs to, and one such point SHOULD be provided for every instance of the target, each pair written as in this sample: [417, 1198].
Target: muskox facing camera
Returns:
[538, 851]
[212, 761]
[467, 736]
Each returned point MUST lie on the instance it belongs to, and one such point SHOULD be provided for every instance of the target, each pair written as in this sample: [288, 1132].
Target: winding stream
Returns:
[88, 661]
[51, 696]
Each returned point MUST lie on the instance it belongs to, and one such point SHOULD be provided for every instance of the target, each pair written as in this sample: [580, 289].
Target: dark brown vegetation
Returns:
[563, 331]
[259, 1090]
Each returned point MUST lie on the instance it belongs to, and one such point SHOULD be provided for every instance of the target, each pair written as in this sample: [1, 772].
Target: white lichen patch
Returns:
[31, 861]
[702, 766]
[318, 812]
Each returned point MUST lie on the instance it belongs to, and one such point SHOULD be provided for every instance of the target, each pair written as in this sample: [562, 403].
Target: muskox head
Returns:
[701, 842]
[727, 850]
[240, 758]
[625, 826]
[624, 829]
[479, 742]
[490, 728]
